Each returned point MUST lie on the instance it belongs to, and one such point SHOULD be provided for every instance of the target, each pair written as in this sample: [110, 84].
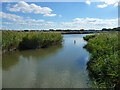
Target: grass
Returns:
[28, 40]
[104, 62]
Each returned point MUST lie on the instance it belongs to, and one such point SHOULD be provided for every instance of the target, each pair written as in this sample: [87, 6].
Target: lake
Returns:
[59, 66]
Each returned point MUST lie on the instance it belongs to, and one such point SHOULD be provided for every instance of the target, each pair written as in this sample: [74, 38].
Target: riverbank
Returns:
[104, 60]
[78, 32]
[12, 40]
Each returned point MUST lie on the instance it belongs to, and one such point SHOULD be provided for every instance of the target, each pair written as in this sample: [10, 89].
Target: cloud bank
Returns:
[91, 23]
[76, 23]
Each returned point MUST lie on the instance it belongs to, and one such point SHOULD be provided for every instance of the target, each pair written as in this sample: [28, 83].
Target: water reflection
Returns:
[9, 60]
[74, 41]
[12, 58]
[60, 66]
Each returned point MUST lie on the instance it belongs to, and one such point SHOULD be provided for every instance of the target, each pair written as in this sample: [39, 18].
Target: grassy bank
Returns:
[104, 62]
[28, 40]
[89, 37]
[77, 32]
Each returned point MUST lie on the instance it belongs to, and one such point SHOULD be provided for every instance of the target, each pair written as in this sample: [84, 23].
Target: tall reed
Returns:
[104, 62]
[29, 40]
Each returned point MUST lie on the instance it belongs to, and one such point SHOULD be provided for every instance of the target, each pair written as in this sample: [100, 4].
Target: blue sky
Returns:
[58, 15]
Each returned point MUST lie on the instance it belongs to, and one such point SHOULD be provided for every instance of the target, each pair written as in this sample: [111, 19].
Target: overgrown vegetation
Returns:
[28, 40]
[89, 37]
[77, 32]
[104, 62]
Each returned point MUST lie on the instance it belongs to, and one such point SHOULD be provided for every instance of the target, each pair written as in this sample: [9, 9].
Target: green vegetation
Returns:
[11, 39]
[89, 37]
[77, 32]
[28, 40]
[104, 62]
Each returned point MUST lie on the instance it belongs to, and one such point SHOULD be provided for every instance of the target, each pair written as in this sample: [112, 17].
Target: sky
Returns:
[86, 15]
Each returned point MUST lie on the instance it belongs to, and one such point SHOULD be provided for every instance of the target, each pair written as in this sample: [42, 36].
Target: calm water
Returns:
[60, 66]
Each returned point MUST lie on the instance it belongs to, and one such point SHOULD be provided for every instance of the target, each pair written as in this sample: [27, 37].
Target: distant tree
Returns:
[81, 29]
[26, 30]
[104, 29]
[51, 29]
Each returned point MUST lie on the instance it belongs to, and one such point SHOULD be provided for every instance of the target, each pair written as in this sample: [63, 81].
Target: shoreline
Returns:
[103, 63]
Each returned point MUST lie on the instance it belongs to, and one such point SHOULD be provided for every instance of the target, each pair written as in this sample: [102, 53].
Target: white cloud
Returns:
[91, 23]
[11, 17]
[102, 6]
[110, 1]
[33, 20]
[88, 2]
[77, 19]
[49, 15]
[107, 3]
[19, 22]
[77, 23]
[116, 4]
[18, 19]
[6, 23]
[38, 24]
[30, 8]
[50, 22]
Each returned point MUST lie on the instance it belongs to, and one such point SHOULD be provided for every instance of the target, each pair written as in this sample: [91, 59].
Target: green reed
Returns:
[104, 61]
[29, 40]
